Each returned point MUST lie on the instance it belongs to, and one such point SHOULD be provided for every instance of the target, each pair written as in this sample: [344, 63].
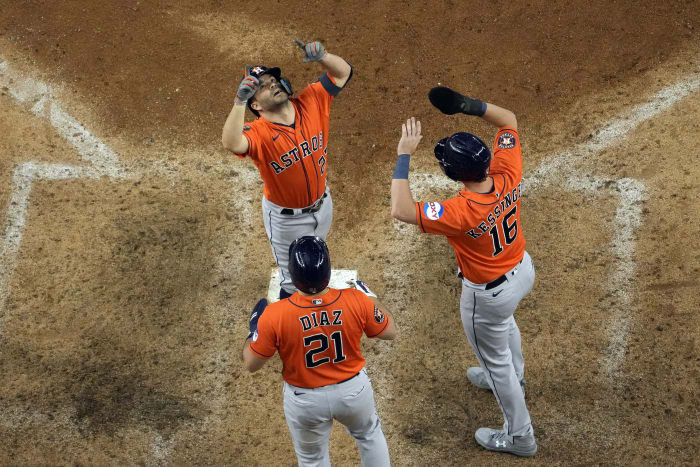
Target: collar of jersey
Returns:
[304, 301]
[487, 198]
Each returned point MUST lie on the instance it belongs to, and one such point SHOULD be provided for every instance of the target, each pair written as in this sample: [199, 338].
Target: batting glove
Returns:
[314, 51]
[246, 90]
[255, 316]
[362, 287]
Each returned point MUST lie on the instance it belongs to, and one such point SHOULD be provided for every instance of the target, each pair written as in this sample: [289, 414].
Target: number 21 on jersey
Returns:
[336, 337]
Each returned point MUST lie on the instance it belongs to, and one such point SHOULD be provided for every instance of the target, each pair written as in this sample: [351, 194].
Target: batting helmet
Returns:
[309, 264]
[463, 157]
[260, 70]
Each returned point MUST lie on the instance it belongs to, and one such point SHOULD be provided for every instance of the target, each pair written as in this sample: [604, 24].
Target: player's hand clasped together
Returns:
[288, 143]
[482, 223]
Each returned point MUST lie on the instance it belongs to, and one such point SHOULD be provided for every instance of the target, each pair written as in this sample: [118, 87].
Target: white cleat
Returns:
[497, 440]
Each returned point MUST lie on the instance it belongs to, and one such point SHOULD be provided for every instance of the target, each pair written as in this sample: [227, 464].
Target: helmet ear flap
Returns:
[439, 149]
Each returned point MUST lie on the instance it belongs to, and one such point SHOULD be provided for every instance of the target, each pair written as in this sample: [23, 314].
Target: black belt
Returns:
[496, 282]
[345, 380]
[313, 208]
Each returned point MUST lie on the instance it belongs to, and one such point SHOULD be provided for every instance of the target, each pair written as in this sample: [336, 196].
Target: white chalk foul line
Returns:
[612, 133]
[561, 168]
[103, 162]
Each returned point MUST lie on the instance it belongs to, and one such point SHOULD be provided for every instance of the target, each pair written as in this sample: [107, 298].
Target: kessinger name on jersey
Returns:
[497, 212]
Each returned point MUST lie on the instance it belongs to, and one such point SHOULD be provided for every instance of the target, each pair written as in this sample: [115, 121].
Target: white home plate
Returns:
[339, 279]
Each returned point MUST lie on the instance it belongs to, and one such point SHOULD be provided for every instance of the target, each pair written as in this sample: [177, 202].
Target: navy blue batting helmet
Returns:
[463, 157]
[260, 70]
[309, 264]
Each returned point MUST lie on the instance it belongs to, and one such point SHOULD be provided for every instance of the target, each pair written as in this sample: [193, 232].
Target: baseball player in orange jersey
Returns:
[482, 223]
[317, 333]
[288, 143]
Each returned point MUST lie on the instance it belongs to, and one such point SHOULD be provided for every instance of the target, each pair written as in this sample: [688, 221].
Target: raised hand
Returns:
[247, 88]
[410, 136]
[313, 51]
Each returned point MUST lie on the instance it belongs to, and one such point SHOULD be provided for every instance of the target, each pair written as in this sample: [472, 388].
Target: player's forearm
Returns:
[500, 117]
[337, 67]
[402, 203]
[392, 329]
[232, 134]
[250, 361]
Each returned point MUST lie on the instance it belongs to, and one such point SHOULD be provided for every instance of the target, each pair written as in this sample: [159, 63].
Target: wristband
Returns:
[474, 107]
[401, 169]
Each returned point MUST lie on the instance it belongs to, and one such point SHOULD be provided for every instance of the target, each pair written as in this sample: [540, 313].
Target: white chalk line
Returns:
[104, 162]
[561, 168]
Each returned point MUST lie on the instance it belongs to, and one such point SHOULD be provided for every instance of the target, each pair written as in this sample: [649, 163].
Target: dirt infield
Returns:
[132, 247]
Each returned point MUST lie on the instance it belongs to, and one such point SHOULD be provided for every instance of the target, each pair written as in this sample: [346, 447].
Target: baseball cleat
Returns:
[478, 378]
[498, 440]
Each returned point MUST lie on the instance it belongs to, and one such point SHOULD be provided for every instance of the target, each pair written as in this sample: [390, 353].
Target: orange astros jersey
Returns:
[484, 229]
[292, 159]
[318, 338]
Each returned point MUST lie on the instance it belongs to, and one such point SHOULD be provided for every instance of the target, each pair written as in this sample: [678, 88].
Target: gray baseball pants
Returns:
[310, 414]
[283, 229]
[487, 317]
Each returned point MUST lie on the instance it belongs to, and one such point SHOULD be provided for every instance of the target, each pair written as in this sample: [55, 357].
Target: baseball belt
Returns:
[496, 282]
[313, 208]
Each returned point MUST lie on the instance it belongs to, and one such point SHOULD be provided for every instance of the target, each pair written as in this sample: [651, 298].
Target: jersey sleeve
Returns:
[375, 321]
[264, 341]
[440, 218]
[322, 91]
[252, 134]
[508, 155]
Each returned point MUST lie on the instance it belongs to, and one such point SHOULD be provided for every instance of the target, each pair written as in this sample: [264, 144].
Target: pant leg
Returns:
[516, 349]
[282, 230]
[524, 281]
[310, 422]
[491, 330]
[353, 406]
[324, 217]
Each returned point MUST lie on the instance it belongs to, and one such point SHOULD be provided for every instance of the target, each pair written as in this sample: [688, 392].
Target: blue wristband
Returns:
[401, 169]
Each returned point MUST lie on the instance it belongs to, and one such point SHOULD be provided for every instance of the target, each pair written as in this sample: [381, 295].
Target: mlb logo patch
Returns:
[433, 210]
[316, 301]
